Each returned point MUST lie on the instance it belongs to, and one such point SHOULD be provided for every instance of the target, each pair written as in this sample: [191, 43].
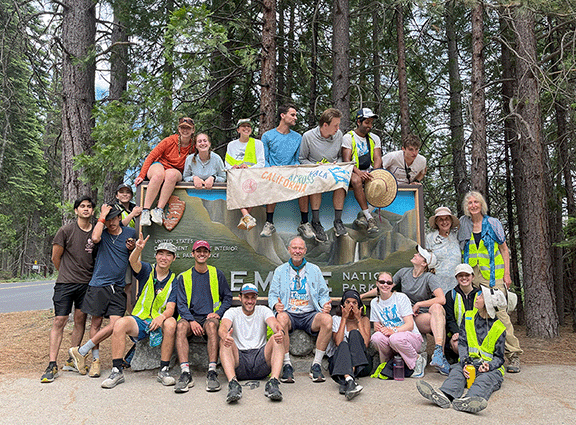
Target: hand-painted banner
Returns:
[250, 187]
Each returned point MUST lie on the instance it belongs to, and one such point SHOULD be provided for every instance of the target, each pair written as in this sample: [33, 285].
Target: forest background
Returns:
[89, 87]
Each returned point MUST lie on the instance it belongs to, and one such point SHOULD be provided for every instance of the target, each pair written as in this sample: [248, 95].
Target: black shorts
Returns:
[105, 301]
[66, 295]
[252, 364]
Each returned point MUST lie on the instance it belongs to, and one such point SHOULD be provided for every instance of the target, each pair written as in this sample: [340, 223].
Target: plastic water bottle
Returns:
[398, 368]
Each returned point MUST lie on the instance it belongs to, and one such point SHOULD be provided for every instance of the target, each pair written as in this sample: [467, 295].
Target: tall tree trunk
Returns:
[291, 69]
[78, 73]
[313, 117]
[479, 169]
[402, 77]
[341, 61]
[165, 114]
[268, 72]
[281, 46]
[461, 182]
[376, 60]
[540, 303]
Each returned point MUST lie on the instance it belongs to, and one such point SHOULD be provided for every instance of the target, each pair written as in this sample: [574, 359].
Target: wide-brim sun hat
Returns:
[382, 189]
[441, 211]
[494, 300]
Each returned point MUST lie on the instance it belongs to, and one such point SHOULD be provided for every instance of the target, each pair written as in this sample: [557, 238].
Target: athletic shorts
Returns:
[252, 364]
[66, 295]
[142, 326]
[201, 320]
[105, 301]
[303, 321]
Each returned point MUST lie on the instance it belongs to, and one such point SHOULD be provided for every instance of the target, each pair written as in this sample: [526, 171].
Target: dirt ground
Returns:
[24, 344]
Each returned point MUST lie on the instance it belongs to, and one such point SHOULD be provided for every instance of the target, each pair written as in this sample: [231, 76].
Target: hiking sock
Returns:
[318, 356]
[185, 367]
[316, 216]
[287, 359]
[367, 214]
[95, 353]
[337, 215]
[117, 363]
[86, 348]
[304, 217]
[164, 364]
[211, 366]
[270, 217]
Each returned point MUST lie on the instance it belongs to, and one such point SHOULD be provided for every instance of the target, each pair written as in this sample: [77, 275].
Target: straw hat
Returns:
[440, 211]
[382, 189]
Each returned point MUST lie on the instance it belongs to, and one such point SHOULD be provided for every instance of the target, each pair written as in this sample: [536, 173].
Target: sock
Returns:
[164, 364]
[270, 217]
[117, 363]
[349, 378]
[86, 348]
[212, 366]
[304, 217]
[185, 367]
[316, 216]
[145, 209]
[95, 354]
[337, 215]
[318, 356]
[367, 214]
[287, 359]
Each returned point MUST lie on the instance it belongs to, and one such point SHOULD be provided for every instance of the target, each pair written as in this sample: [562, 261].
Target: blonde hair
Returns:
[479, 198]
[391, 278]
[328, 115]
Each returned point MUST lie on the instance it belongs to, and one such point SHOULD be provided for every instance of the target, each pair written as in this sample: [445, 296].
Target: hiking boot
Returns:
[165, 378]
[305, 230]
[469, 404]
[145, 218]
[513, 364]
[234, 391]
[361, 222]
[287, 374]
[116, 377]
[437, 397]
[50, 374]
[157, 215]
[319, 233]
[94, 369]
[316, 373]
[185, 381]
[352, 389]
[339, 229]
[268, 230]
[420, 366]
[272, 391]
[79, 360]
[440, 362]
[372, 226]
[212, 383]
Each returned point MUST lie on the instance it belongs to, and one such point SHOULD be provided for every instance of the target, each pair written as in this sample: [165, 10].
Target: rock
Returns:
[147, 358]
[301, 344]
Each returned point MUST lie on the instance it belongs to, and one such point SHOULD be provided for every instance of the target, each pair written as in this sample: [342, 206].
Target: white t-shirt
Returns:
[300, 299]
[394, 162]
[249, 332]
[331, 349]
[236, 149]
[391, 312]
[361, 142]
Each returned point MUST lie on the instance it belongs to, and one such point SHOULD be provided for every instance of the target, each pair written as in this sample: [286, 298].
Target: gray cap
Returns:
[463, 268]
[166, 246]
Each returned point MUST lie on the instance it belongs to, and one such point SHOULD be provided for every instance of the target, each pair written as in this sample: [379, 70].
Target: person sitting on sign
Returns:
[245, 152]
[407, 165]
[204, 167]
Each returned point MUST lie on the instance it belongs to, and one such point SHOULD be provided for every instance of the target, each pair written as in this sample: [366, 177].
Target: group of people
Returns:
[188, 157]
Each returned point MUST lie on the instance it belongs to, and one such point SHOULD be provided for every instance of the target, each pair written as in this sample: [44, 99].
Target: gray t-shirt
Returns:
[417, 289]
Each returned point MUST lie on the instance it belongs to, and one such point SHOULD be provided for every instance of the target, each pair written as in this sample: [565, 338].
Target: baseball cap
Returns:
[124, 186]
[199, 244]
[365, 113]
[244, 121]
[114, 212]
[428, 256]
[166, 246]
[463, 268]
[249, 288]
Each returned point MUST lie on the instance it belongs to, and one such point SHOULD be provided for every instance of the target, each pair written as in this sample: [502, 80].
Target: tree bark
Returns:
[268, 68]
[78, 73]
[341, 61]
[376, 60]
[402, 78]
[312, 117]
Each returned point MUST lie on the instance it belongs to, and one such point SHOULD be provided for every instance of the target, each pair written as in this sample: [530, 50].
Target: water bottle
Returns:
[398, 368]
[472, 375]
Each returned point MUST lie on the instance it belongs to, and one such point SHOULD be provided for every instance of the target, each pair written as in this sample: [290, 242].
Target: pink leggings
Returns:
[406, 344]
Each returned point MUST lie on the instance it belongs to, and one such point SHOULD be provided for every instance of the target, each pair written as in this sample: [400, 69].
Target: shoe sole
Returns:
[112, 385]
[317, 379]
[213, 390]
[351, 394]
[474, 405]
[426, 390]
[81, 371]
[233, 398]
[184, 389]
[169, 384]
[47, 381]
[274, 396]
[287, 380]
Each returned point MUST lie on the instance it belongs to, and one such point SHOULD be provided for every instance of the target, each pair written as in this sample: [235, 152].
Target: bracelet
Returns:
[101, 220]
[395, 330]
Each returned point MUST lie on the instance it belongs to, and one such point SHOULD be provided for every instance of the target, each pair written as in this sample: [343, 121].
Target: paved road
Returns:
[25, 296]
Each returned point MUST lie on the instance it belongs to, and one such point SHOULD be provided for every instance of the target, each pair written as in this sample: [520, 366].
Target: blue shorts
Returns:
[303, 321]
[142, 326]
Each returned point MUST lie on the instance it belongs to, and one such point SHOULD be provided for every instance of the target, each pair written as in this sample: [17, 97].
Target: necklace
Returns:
[114, 239]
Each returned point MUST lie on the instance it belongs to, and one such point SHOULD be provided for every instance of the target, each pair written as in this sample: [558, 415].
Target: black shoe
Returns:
[339, 229]
[316, 373]
[234, 391]
[352, 389]
[212, 383]
[184, 382]
[342, 387]
[287, 374]
[50, 374]
[272, 391]
[319, 233]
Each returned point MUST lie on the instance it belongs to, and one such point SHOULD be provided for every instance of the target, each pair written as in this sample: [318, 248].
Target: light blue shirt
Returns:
[281, 149]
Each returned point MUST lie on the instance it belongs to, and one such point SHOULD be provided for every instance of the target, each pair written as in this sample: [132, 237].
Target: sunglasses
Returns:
[386, 282]
[186, 120]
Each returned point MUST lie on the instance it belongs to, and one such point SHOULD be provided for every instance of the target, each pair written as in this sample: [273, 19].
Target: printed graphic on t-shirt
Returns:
[389, 316]
[299, 299]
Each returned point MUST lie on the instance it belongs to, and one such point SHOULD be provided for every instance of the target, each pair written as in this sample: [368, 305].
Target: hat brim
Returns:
[382, 189]
[432, 221]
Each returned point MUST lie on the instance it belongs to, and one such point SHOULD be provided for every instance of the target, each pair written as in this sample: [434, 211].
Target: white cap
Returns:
[494, 300]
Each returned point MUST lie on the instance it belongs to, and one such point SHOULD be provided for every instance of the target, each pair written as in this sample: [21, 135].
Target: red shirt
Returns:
[166, 153]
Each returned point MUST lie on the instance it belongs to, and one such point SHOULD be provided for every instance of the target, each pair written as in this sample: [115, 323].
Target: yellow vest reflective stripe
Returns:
[355, 150]
[486, 350]
[213, 276]
[459, 308]
[125, 214]
[479, 255]
[150, 305]
[249, 154]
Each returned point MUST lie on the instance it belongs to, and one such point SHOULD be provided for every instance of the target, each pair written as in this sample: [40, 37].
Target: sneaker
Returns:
[420, 366]
[268, 230]
[250, 222]
[116, 377]
[272, 391]
[305, 230]
[440, 362]
[69, 366]
[234, 391]
[372, 226]
[316, 373]
[352, 389]
[50, 374]
[287, 374]
[212, 383]
[339, 229]
[471, 404]
[95, 369]
[342, 387]
[437, 397]
[165, 377]
[79, 360]
[514, 364]
[361, 222]
[157, 215]
[145, 218]
[184, 382]
[319, 233]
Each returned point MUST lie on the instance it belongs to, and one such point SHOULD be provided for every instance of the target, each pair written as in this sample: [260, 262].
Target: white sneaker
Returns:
[145, 218]
[157, 216]
[268, 230]
[420, 366]
[247, 222]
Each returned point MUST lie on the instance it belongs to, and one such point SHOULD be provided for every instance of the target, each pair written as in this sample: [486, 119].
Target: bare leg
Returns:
[270, 208]
[95, 325]
[338, 197]
[182, 345]
[156, 178]
[438, 323]
[124, 326]
[274, 354]
[56, 334]
[322, 324]
[230, 359]
[358, 188]
[106, 331]
[315, 201]
[79, 327]
[286, 324]
[168, 337]
[211, 329]
[303, 203]
[171, 177]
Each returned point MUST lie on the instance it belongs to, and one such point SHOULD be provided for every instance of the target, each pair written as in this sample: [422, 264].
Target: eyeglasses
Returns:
[186, 120]
[386, 282]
